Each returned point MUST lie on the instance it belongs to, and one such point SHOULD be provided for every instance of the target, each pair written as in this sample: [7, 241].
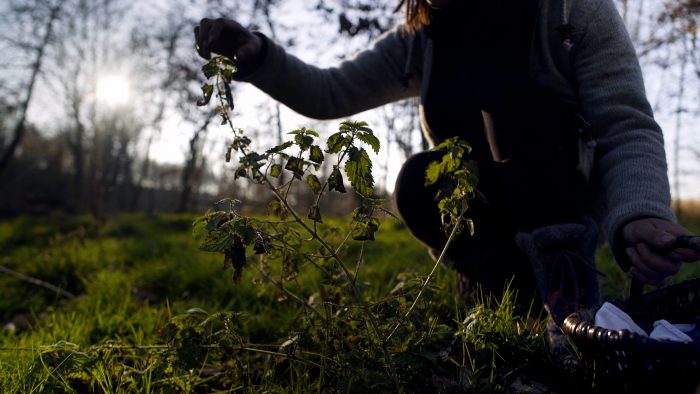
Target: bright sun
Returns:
[113, 90]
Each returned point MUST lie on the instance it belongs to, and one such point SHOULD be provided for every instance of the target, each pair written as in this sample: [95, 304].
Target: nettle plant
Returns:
[341, 325]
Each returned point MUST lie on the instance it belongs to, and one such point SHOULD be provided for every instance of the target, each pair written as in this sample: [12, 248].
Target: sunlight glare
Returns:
[113, 90]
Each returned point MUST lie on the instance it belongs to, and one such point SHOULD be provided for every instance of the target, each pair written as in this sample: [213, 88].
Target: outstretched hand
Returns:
[226, 37]
[651, 247]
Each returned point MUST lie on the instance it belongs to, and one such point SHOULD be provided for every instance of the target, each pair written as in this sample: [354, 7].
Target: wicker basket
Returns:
[621, 361]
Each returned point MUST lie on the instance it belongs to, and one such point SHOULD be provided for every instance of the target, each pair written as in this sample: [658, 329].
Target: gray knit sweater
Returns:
[596, 70]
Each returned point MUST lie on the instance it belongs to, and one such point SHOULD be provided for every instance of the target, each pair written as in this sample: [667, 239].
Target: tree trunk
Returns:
[191, 164]
[24, 106]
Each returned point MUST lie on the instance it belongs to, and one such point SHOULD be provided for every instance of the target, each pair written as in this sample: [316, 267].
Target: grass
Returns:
[154, 314]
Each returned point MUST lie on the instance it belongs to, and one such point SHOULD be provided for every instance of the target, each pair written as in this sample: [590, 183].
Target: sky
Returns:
[172, 144]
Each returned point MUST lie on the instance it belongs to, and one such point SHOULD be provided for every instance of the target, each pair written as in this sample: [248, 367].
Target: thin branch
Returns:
[36, 282]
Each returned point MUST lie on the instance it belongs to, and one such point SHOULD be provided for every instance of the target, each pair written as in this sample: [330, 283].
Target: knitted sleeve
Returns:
[371, 78]
[630, 156]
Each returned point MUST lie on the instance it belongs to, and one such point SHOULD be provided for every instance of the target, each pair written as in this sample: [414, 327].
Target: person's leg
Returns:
[489, 258]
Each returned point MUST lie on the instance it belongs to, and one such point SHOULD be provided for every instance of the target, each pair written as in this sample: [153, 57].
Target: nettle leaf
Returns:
[304, 131]
[363, 229]
[218, 240]
[210, 68]
[304, 141]
[279, 148]
[315, 214]
[296, 166]
[207, 91]
[335, 181]
[369, 139]
[432, 173]
[313, 183]
[358, 167]
[275, 170]
[245, 231]
[336, 142]
[316, 154]
[208, 222]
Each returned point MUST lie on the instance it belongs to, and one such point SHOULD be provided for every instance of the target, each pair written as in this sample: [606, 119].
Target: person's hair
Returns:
[418, 13]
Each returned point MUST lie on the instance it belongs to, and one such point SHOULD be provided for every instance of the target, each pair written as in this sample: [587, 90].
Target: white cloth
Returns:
[666, 330]
[613, 318]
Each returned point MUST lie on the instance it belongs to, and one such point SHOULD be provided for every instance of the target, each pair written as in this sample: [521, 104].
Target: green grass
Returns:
[154, 314]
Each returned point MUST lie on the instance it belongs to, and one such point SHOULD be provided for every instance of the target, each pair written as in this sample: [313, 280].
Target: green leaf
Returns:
[358, 167]
[432, 173]
[279, 148]
[363, 229]
[275, 170]
[207, 91]
[245, 231]
[240, 142]
[335, 181]
[210, 68]
[304, 131]
[313, 183]
[336, 142]
[296, 166]
[218, 240]
[315, 214]
[304, 141]
[369, 139]
[316, 154]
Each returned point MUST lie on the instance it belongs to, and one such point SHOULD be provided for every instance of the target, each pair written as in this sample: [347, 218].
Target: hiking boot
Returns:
[563, 260]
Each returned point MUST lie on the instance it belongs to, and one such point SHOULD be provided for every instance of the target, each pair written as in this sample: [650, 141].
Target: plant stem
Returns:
[289, 293]
[36, 282]
[357, 294]
[453, 234]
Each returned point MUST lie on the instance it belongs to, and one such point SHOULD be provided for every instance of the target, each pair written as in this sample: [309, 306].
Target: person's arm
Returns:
[371, 78]
[630, 156]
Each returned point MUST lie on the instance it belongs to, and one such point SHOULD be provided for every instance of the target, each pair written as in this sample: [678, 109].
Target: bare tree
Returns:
[47, 24]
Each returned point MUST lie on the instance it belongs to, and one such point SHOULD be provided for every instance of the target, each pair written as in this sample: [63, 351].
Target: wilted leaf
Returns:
[335, 181]
[237, 256]
[315, 214]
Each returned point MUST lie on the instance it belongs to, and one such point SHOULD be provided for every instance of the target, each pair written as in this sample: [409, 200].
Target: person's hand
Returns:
[226, 37]
[650, 246]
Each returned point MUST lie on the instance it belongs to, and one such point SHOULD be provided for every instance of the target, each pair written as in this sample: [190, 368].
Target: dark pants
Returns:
[489, 257]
